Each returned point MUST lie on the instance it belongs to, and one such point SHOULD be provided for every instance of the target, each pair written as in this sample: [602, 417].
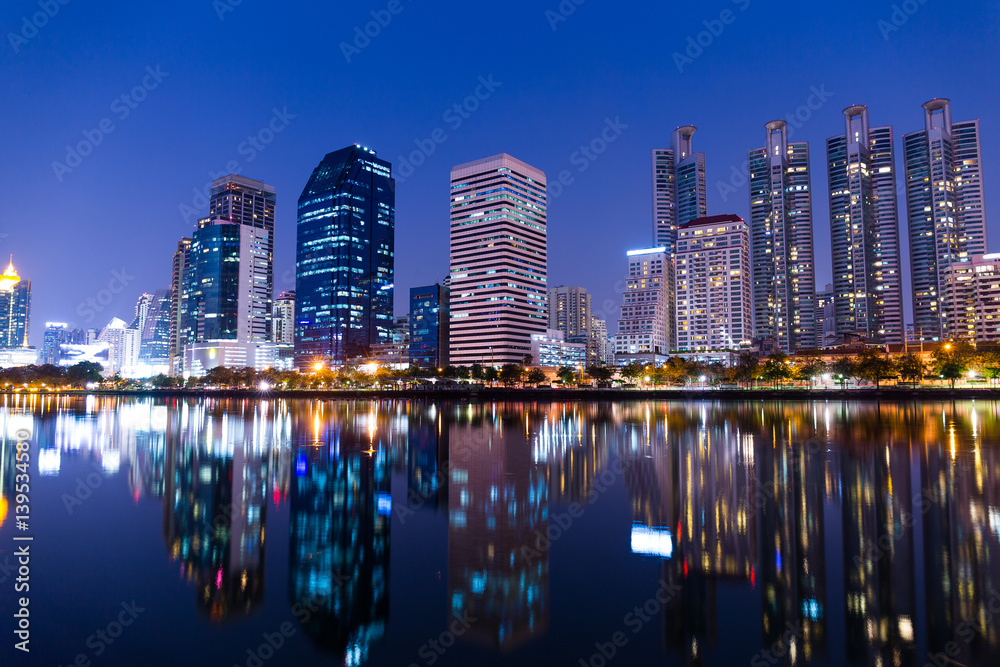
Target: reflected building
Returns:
[341, 507]
[791, 517]
[215, 504]
[498, 504]
[427, 458]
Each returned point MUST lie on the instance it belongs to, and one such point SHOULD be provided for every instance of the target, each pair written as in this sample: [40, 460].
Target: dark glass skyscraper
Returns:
[429, 326]
[344, 258]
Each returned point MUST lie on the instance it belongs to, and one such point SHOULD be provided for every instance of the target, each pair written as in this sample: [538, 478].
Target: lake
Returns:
[406, 533]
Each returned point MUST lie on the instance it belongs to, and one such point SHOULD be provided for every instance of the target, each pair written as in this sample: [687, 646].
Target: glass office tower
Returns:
[429, 319]
[15, 308]
[344, 258]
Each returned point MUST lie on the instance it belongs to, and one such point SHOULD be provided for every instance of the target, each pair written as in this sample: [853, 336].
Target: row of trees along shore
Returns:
[948, 364]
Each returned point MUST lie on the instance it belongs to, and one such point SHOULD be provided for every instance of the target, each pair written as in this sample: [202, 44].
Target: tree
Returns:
[951, 361]
[776, 368]
[747, 369]
[536, 376]
[477, 372]
[874, 366]
[811, 368]
[844, 368]
[527, 360]
[910, 367]
[600, 373]
[510, 374]
[83, 373]
[632, 371]
[567, 374]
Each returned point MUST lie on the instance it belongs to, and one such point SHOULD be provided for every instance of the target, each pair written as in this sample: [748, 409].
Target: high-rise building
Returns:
[945, 209]
[56, 335]
[642, 327]
[283, 319]
[345, 263]
[712, 266]
[680, 195]
[429, 326]
[781, 242]
[123, 348]
[225, 322]
[570, 310]
[15, 308]
[679, 187]
[251, 204]
[498, 260]
[601, 349]
[152, 320]
[178, 305]
[973, 290]
[864, 225]
[826, 317]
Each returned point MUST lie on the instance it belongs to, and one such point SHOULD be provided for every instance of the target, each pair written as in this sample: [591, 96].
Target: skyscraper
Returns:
[679, 196]
[283, 319]
[945, 209]
[642, 328]
[864, 225]
[251, 203]
[178, 305]
[781, 241]
[15, 308]
[679, 188]
[152, 320]
[429, 325]
[570, 310]
[227, 320]
[713, 284]
[498, 260]
[345, 263]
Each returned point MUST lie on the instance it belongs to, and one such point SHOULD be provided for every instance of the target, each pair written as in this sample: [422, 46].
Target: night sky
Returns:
[223, 69]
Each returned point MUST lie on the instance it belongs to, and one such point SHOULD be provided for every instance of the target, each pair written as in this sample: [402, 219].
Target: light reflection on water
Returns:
[864, 533]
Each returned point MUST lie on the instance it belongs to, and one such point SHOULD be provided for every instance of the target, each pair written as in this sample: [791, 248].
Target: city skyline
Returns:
[164, 150]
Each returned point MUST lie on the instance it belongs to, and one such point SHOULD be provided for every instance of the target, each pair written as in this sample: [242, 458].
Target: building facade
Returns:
[283, 319]
[973, 289]
[781, 242]
[250, 204]
[178, 305]
[552, 350]
[826, 317]
[499, 263]
[15, 308]
[945, 209]
[713, 284]
[864, 225]
[680, 195]
[642, 327]
[152, 320]
[429, 326]
[345, 261]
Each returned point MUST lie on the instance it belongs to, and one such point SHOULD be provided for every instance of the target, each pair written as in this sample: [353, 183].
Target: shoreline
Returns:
[502, 394]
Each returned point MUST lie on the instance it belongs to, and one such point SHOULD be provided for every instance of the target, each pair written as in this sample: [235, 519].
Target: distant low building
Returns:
[552, 350]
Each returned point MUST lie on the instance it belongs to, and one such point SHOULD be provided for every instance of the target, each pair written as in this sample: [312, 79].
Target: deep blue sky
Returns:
[119, 209]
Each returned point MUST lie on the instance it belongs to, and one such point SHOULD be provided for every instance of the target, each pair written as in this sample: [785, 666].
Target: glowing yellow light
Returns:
[3, 509]
[318, 366]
